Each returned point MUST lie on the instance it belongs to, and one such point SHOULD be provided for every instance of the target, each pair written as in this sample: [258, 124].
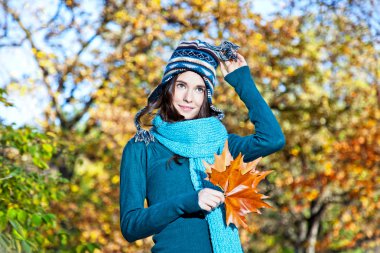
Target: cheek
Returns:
[177, 94]
[199, 100]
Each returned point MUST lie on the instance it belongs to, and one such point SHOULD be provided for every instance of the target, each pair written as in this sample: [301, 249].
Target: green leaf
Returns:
[36, 220]
[21, 216]
[63, 239]
[92, 246]
[6, 242]
[11, 213]
[18, 230]
[39, 162]
[48, 148]
[17, 234]
[3, 221]
[25, 246]
[49, 219]
[79, 248]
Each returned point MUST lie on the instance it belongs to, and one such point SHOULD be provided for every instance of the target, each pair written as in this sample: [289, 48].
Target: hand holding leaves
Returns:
[239, 182]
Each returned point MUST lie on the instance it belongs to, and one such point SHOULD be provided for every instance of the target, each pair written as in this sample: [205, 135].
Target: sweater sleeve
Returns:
[137, 222]
[269, 137]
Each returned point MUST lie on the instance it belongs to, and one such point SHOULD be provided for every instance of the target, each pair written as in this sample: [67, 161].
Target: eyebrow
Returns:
[202, 86]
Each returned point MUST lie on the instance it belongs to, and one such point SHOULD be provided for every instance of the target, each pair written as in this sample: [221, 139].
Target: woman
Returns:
[185, 213]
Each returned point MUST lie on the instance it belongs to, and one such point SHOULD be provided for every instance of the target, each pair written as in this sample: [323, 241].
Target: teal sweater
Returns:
[173, 215]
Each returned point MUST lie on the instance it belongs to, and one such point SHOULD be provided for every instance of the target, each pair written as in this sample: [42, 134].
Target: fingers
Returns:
[214, 200]
[227, 67]
[209, 199]
[209, 205]
[231, 65]
[216, 193]
[223, 69]
[241, 59]
[206, 207]
[212, 203]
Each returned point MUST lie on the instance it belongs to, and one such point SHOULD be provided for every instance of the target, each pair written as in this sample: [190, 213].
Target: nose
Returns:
[188, 96]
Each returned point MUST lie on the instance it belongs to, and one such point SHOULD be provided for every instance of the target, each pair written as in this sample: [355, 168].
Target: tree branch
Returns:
[44, 71]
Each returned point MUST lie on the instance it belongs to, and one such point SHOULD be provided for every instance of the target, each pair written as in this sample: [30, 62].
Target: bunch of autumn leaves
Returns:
[239, 182]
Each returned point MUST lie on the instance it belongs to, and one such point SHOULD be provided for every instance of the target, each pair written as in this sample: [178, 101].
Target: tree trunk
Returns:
[313, 237]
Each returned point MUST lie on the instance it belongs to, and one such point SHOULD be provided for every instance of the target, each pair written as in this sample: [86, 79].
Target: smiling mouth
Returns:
[186, 108]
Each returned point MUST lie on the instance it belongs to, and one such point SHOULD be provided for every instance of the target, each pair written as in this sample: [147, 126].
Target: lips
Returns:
[186, 108]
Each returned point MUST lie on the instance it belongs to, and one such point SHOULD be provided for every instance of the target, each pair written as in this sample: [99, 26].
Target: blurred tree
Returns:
[364, 24]
[27, 186]
[318, 70]
[328, 200]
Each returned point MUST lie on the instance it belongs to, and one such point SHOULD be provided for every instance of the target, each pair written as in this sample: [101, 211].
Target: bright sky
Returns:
[17, 62]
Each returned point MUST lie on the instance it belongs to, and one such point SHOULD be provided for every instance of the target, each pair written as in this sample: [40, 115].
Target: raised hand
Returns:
[231, 65]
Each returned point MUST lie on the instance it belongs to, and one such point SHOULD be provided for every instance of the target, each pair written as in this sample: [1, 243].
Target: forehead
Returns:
[191, 77]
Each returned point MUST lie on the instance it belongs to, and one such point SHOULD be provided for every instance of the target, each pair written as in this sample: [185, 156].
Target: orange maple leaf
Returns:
[239, 182]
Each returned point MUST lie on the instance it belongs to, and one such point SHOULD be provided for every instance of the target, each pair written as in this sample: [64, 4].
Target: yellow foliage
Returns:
[346, 217]
[156, 4]
[278, 23]
[311, 195]
[88, 167]
[141, 59]
[310, 107]
[328, 168]
[290, 71]
[258, 37]
[74, 188]
[40, 54]
[294, 151]
[139, 243]
[115, 179]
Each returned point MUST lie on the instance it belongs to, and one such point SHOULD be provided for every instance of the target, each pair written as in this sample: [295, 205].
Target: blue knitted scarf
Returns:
[200, 139]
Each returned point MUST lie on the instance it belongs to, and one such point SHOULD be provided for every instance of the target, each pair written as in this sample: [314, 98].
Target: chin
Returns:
[190, 117]
[187, 116]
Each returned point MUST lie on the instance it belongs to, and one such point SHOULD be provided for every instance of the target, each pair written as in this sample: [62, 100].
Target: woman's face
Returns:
[189, 93]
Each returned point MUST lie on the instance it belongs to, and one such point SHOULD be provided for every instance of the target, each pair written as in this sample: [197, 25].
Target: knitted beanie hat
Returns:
[197, 56]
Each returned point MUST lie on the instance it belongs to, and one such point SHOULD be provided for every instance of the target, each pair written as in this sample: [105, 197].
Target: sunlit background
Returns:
[74, 73]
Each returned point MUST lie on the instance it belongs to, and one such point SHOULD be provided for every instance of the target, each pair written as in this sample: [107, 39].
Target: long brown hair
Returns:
[169, 113]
